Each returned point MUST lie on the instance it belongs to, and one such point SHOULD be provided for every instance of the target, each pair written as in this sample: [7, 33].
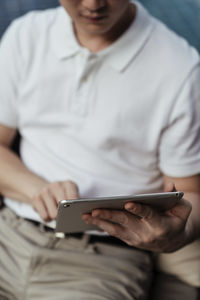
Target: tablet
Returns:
[69, 217]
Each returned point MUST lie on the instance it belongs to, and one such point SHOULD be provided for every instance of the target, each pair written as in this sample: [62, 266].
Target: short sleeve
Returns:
[179, 152]
[10, 75]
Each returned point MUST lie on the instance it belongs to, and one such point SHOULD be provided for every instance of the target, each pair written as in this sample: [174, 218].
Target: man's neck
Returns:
[96, 43]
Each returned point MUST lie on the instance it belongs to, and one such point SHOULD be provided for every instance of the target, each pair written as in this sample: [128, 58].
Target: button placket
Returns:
[85, 63]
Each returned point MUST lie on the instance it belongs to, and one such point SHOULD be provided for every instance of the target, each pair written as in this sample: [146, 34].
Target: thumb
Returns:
[181, 210]
[170, 187]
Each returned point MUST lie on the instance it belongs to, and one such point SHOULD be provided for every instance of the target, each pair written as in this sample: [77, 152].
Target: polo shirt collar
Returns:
[119, 54]
[64, 42]
[127, 47]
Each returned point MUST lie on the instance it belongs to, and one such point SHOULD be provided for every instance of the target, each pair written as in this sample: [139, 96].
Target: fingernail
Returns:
[95, 214]
[129, 206]
[86, 220]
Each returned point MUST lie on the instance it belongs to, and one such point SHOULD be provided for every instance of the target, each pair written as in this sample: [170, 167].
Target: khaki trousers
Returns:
[37, 265]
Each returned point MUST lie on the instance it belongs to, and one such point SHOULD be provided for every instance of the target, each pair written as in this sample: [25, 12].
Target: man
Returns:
[106, 100]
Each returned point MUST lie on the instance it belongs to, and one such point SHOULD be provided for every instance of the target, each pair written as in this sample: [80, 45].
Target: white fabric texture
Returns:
[113, 121]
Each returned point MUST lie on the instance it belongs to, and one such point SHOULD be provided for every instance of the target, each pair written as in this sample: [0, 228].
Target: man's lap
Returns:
[37, 265]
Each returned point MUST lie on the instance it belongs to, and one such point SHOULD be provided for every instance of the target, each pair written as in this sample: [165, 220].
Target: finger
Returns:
[41, 209]
[181, 210]
[86, 219]
[111, 228]
[142, 211]
[50, 203]
[58, 191]
[115, 216]
[170, 187]
[71, 190]
[116, 230]
[86, 216]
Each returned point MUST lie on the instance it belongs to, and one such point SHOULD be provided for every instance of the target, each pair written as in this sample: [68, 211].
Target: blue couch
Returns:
[11, 9]
[182, 16]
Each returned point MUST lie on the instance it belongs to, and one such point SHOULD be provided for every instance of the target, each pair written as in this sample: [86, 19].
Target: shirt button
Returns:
[84, 79]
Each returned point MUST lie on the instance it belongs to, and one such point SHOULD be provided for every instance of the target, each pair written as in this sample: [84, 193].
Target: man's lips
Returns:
[94, 18]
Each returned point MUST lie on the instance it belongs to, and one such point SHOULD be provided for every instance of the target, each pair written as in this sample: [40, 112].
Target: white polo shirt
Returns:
[112, 122]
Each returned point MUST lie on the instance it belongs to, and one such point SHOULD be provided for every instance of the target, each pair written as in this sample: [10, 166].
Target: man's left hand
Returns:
[143, 227]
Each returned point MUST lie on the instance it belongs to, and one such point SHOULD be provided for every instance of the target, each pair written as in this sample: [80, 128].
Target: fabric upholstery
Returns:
[11, 9]
[182, 16]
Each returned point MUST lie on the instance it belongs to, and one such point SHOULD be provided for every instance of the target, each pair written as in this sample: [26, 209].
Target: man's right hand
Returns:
[46, 201]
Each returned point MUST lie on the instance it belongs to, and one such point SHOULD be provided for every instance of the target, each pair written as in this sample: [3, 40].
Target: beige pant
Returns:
[37, 265]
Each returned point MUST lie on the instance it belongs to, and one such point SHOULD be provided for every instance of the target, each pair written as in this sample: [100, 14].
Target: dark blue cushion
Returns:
[182, 16]
[11, 9]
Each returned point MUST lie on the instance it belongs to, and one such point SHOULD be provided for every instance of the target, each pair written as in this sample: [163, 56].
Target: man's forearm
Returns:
[16, 181]
[191, 188]
[193, 224]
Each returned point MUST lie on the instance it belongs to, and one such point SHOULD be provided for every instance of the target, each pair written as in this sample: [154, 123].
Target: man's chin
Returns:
[94, 28]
